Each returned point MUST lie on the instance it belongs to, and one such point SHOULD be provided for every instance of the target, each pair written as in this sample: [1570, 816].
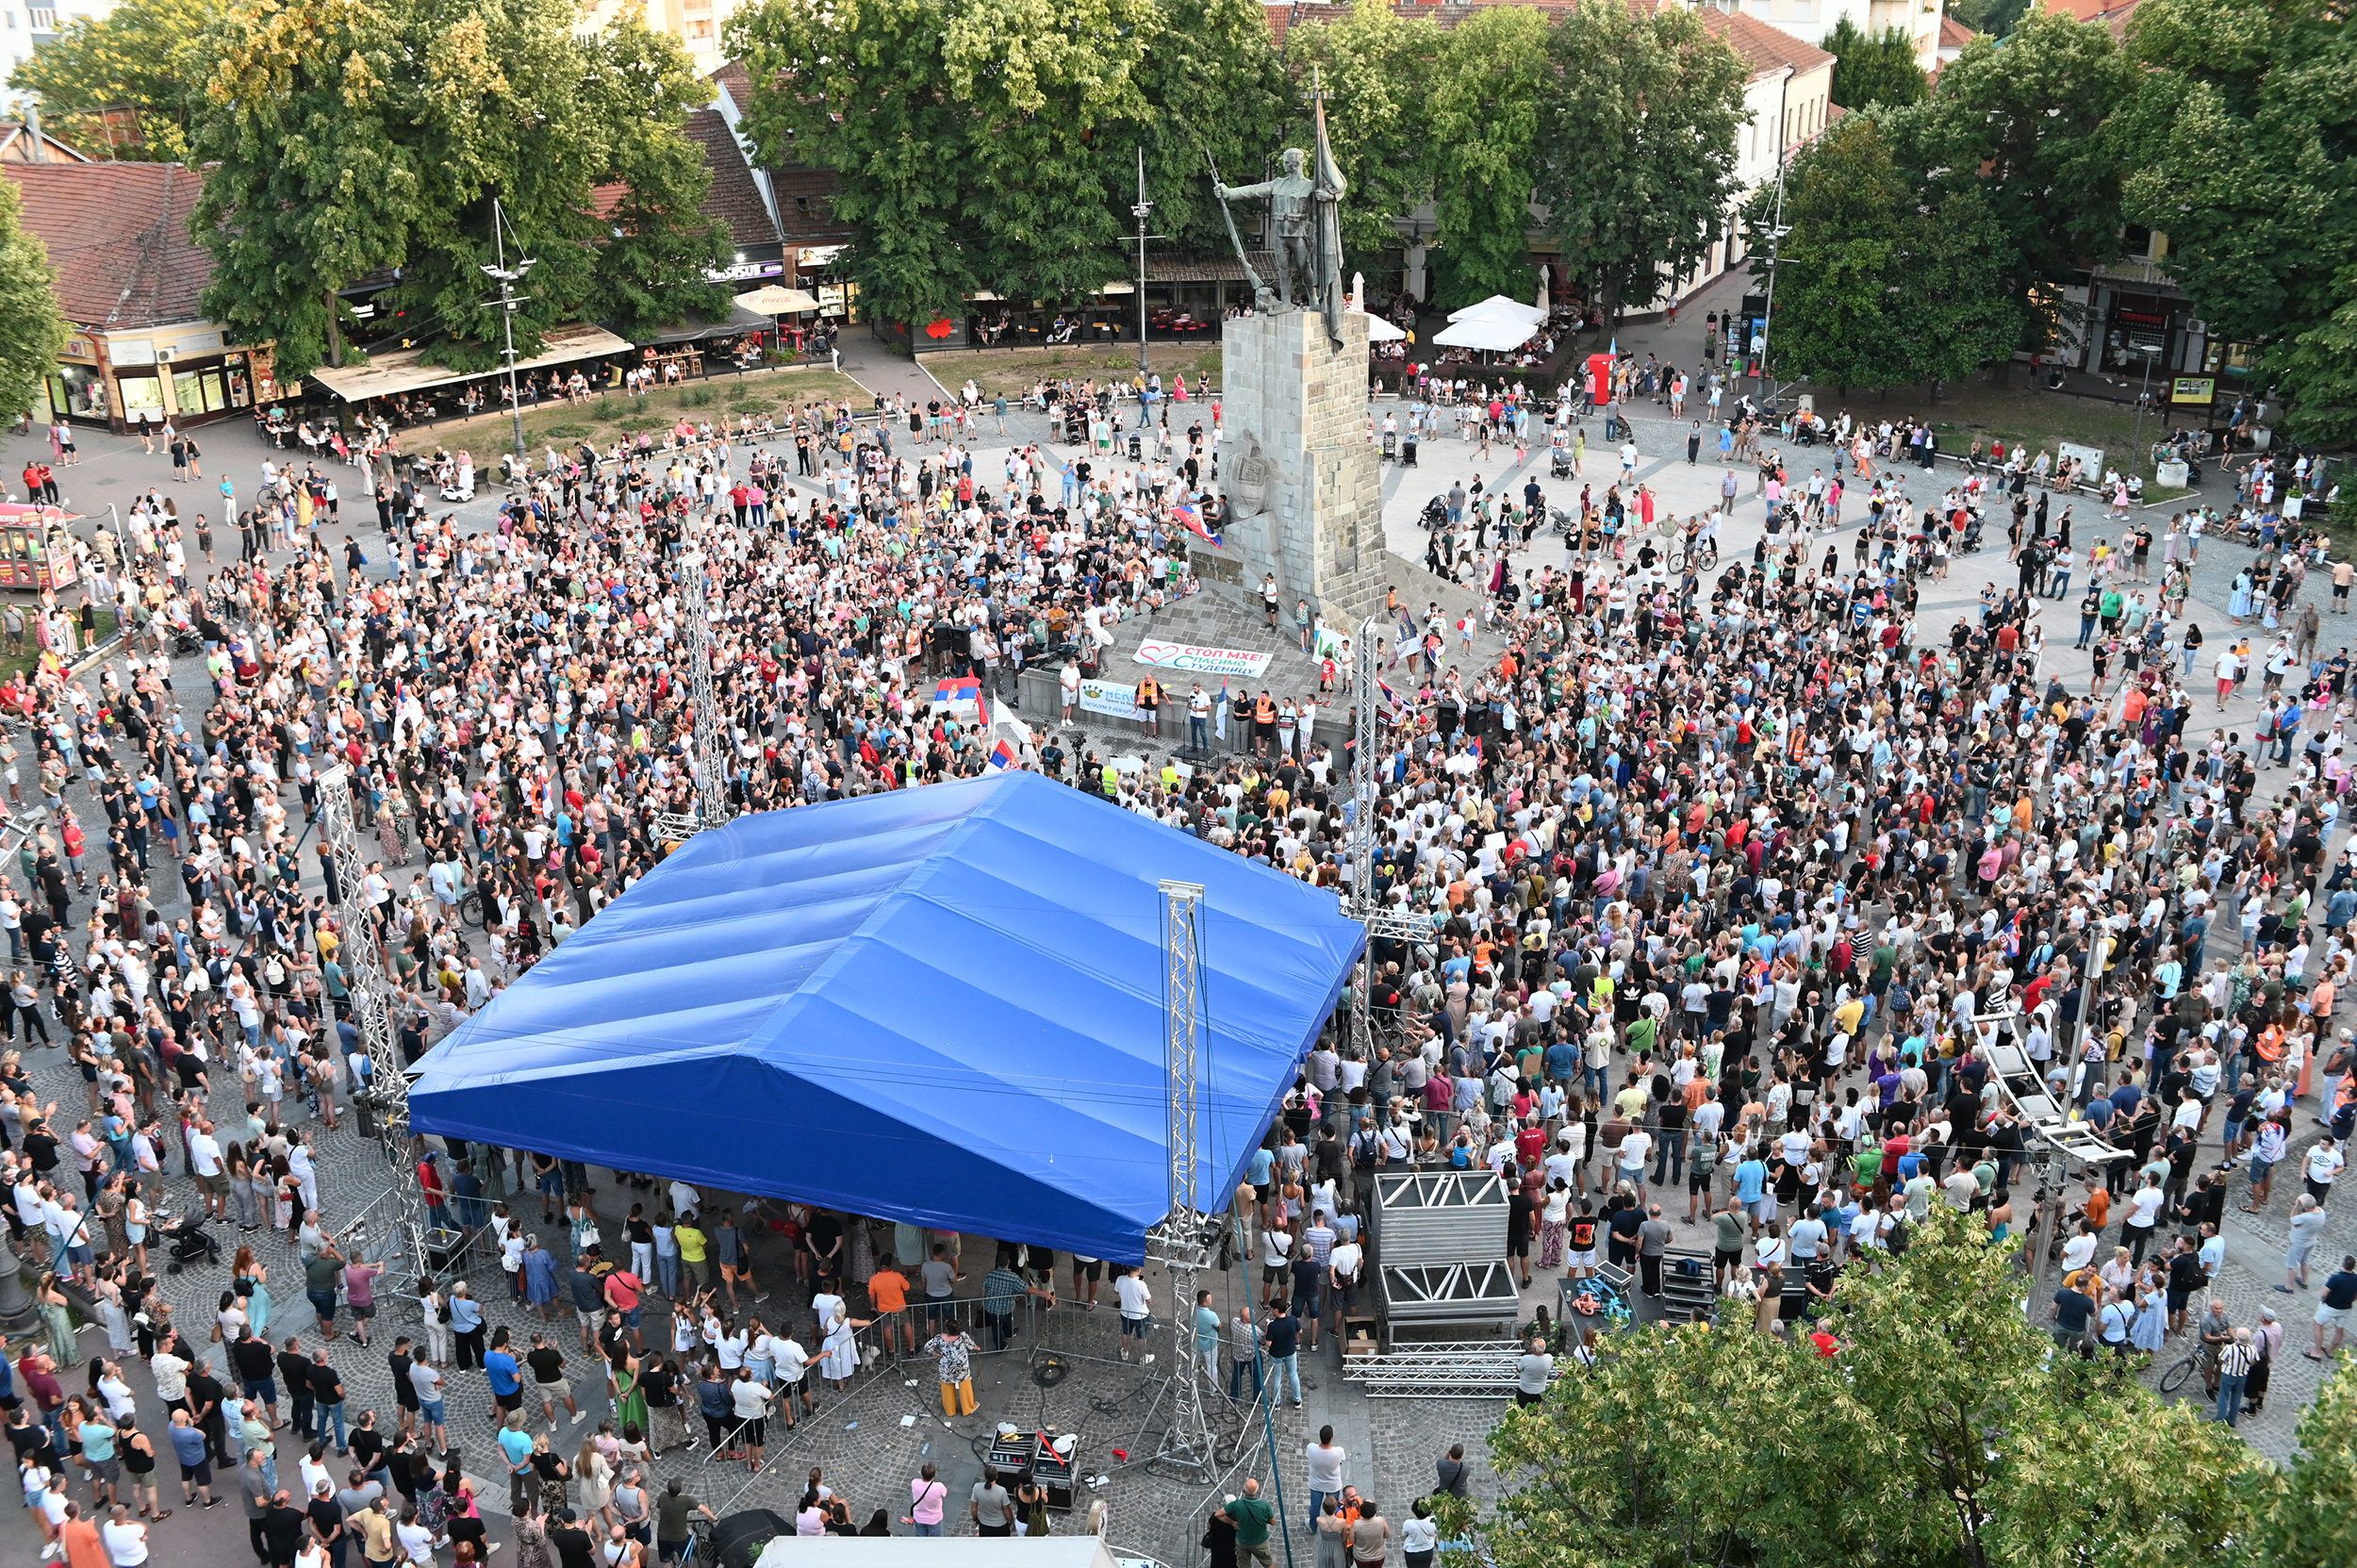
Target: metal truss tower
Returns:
[711, 748]
[363, 959]
[1182, 1242]
[1361, 904]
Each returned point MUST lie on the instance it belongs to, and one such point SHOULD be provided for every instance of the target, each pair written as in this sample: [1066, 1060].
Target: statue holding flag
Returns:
[1304, 209]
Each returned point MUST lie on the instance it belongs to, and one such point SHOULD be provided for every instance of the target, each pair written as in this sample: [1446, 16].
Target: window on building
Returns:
[45, 20]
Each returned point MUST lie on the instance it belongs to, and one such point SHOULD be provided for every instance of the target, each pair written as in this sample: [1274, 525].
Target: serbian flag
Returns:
[1002, 757]
[1190, 518]
[1392, 699]
[959, 691]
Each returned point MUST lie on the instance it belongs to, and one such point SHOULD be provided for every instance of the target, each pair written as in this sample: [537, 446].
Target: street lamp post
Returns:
[2144, 398]
[508, 278]
[1140, 208]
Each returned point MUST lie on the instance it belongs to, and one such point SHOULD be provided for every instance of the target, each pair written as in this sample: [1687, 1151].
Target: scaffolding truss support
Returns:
[362, 956]
[1361, 904]
[711, 743]
[1182, 1242]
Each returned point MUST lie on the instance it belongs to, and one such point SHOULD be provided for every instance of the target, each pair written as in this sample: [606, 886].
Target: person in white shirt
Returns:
[124, 1537]
[1136, 1303]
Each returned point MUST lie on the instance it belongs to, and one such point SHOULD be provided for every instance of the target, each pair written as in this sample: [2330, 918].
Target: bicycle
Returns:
[2196, 1360]
[698, 1547]
[1701, 555]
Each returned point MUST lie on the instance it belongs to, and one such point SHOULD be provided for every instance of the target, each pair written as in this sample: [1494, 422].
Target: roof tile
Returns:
[118, 233]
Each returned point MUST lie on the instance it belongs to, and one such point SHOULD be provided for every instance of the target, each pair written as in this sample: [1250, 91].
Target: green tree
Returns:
[349, 137]
[148, 56]
[1636, 146]
[2027, 126]
[1941, 1435]
[2314, 1522]
[1995, 18]
[1873, 68]
[1210, 84]
[1486, 92]
[310, 188]
[1376, 66]
[2239, 141]
[1879, 284]
[32, 329]
[971, 142]
[652, 263]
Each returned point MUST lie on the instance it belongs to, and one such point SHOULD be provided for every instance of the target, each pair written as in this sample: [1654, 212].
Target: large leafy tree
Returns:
[313, 182]
[1941, 1435]
[972, 143]
[1211, 85]
[146, 56]
[2314, 1522]
[1873, 68]
[32, 328]
[2240, 144]
[2026, 125]
[1879, 284]
[1484, 102]
[1637, 144]
[1375, 67]
[350, 136]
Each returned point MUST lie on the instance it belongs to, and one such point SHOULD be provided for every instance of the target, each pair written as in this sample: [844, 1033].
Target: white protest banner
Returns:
[1199, 660]
[1110, 699]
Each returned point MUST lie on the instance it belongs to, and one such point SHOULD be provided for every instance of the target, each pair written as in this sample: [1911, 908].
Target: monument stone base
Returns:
[1302, 480]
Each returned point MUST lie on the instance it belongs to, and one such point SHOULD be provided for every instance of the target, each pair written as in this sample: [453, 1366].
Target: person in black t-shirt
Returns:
[284, 1528]
[571, 1544]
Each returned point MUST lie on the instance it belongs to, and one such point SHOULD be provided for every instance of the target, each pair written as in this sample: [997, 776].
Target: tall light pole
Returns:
[508, 278]
[2144, 398]
[1140, 208]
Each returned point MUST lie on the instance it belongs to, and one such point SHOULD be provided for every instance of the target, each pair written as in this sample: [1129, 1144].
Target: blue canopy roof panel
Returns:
[940, 1005]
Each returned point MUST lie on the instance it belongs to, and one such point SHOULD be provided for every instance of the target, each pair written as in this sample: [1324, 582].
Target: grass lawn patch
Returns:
[1012, 370]
[610, 416]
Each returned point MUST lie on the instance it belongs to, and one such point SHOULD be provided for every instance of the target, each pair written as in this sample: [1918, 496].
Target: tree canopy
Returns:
[2238, 145]
[1874, 68]
[146, 56]
[1943, 1433]
[1471, 120]
[1881, 282]
[32, 327]
[1635, 148]
[351, 137]
[1040, 106]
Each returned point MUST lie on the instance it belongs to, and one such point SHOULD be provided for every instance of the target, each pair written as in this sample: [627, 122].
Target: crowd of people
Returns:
[1723, 875]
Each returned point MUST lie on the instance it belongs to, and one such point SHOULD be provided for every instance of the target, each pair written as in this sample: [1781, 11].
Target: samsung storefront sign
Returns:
[743, 272]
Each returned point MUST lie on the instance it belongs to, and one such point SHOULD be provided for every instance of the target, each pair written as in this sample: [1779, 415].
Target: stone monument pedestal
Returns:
[1303, 484]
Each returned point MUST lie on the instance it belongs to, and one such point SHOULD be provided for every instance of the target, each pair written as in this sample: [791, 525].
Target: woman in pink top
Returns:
[925, 1497]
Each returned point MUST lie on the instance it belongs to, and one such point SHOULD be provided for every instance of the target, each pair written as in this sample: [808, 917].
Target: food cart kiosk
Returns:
[36, 550]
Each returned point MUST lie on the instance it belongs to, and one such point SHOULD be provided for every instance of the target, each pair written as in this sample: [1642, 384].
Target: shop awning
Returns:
[1381, 331]
[690, 329]
[405, 371]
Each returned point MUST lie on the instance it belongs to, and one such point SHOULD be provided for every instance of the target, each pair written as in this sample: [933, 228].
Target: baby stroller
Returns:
[1391, 445]
[190, 1244]
[1560, 461]
[1970, 544]
[1407, 452]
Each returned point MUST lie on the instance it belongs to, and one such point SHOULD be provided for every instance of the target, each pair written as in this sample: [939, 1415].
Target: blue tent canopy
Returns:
[940, 1005]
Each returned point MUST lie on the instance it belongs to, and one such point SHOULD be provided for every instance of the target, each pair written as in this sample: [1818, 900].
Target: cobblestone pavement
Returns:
[861, 1436]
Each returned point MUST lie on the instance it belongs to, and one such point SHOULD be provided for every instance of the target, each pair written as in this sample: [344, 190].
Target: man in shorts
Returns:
[1734, 1229]
[1136, 1303]
[2334, 1307]
[1089, 1272]
[548, 1375]
[1579, 1253]
[506, 1376]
